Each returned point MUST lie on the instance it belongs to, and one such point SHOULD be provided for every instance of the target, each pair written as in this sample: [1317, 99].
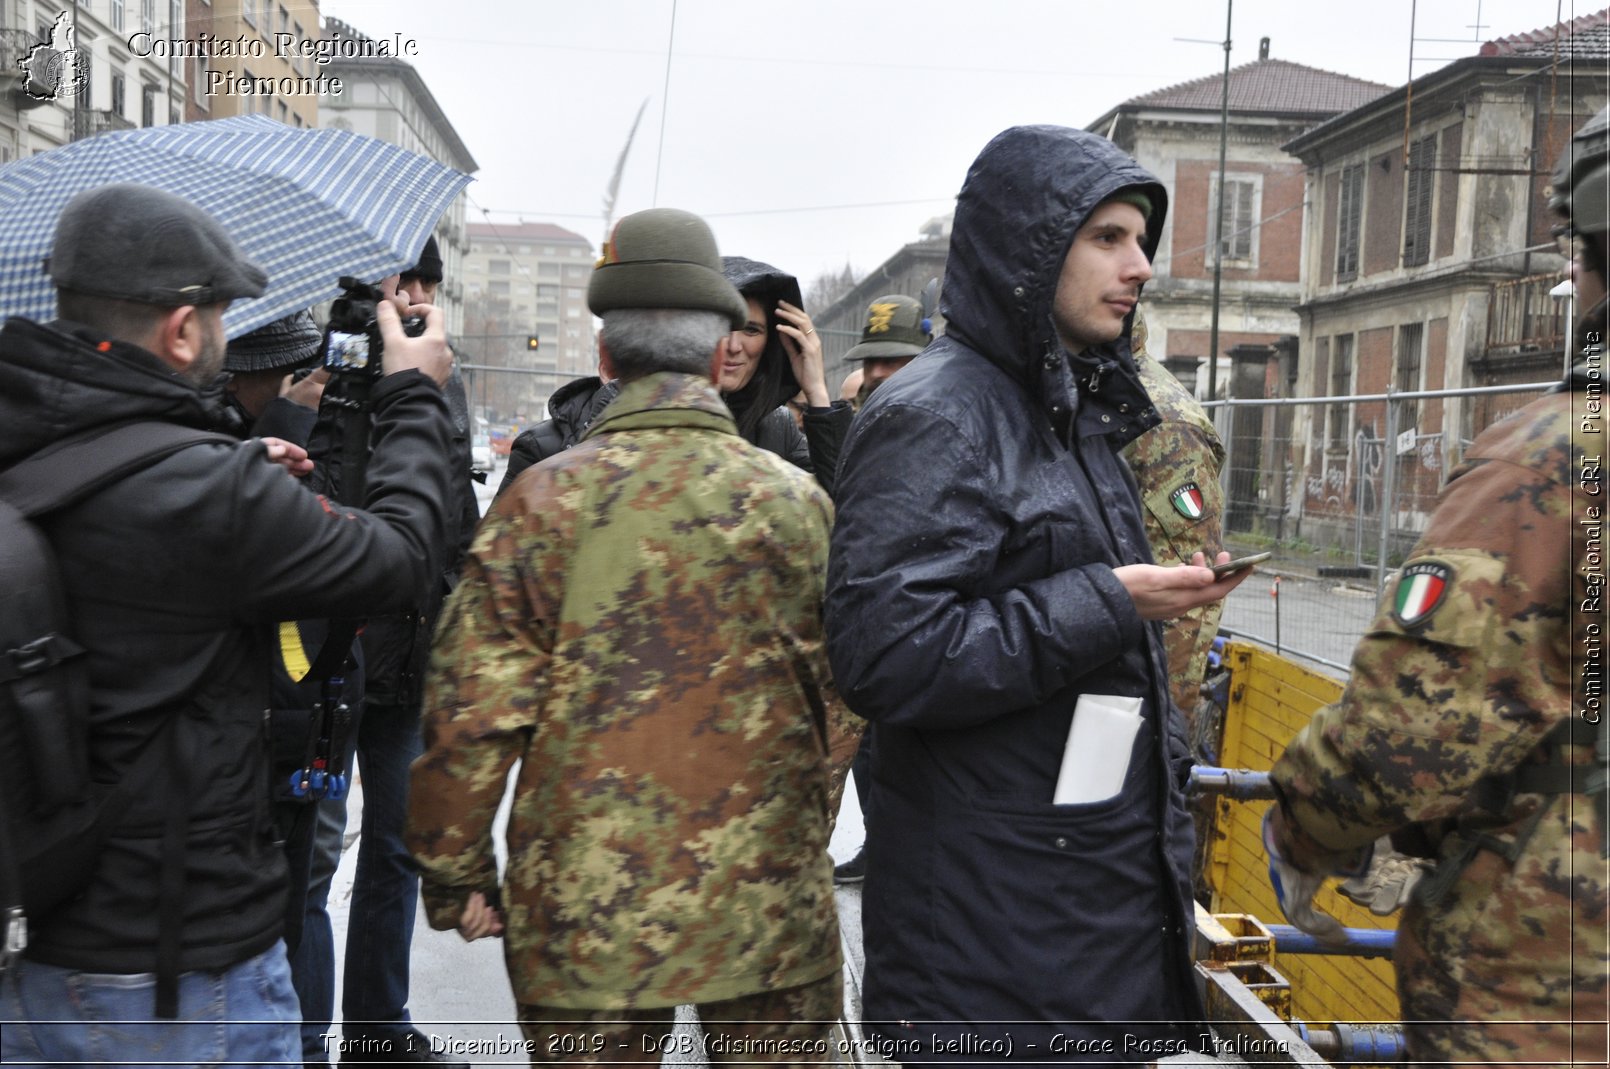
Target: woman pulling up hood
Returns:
[773, 356]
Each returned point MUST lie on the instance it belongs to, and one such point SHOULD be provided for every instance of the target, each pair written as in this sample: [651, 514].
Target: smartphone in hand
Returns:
[1230, 567]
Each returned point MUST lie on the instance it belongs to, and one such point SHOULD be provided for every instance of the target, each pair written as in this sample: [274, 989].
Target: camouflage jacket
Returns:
[1475, 658]
[640, 624]
[1176, 466]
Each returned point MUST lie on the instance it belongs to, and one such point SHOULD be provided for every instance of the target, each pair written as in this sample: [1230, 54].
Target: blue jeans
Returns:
[246, 1015]
[385, 889]
[313, 961]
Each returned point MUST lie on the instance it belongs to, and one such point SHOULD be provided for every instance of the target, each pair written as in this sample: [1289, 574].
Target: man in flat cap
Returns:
[639, 624]
[175, 577]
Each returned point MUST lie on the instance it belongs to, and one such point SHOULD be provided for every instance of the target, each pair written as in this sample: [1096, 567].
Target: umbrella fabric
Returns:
[308, 206]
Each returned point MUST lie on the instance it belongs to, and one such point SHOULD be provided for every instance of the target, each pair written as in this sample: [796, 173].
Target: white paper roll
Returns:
[1095, 759]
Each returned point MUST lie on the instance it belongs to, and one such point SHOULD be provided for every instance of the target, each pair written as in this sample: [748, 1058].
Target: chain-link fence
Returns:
[1334, 487]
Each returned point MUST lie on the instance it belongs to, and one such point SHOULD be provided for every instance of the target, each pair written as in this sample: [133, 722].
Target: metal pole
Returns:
[1218, 231]
[1358, 504]
[1389, 488]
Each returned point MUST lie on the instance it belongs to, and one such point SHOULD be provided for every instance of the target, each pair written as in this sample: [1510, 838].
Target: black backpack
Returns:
[53, 818]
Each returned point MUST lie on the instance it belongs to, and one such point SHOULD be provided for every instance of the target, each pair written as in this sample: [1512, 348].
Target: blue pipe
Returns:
[1361, 942]
[1370, 1046]
[1239, 783]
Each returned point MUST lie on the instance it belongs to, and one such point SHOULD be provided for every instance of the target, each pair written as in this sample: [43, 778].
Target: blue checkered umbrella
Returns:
[308, 206]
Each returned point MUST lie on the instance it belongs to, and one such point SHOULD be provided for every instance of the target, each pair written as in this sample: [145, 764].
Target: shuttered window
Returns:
[1341, 384]
[1411, 347]
[1417, 201]
[1239, 219]
[1349, 218]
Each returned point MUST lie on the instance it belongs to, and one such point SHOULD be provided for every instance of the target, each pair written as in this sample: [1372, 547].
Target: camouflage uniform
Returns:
[640, 622]
[1465, 698]
[1176, 466]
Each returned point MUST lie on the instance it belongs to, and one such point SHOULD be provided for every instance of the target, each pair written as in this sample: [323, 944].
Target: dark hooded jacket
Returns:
[759, 406]
[176, 577]
[571, 410]
[982, 507]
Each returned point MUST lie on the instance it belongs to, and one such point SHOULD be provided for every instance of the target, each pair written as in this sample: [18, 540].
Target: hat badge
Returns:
[879, 317]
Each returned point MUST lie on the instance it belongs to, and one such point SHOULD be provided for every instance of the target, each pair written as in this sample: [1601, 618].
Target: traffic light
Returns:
[532, 342]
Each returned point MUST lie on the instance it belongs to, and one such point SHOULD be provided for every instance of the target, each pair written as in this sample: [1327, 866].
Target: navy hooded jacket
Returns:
[982, 507]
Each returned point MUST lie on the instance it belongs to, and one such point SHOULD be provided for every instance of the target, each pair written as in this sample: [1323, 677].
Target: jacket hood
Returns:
[774, 381]
[1024, 198]
[571, 399]
[56, 381]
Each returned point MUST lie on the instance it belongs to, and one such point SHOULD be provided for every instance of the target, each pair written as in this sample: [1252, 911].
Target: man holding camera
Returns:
[175, 577]
[376, 1025]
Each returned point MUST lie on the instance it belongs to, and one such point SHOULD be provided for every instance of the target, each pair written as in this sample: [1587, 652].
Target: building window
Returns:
[175, 32]
[198, 85]
[285, 21]
[117, 15]
[1349, 217]
[500, 289]
[1341, 383]
[118, 98]
[248, 11]
[1422, 171]
[1411, 356]
[148, 16]
[497, 267]
[84, 64]
[148, 104]
[1240, 219]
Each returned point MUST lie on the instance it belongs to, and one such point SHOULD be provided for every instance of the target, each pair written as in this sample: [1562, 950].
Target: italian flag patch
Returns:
[1187, 501]
[1420, 591]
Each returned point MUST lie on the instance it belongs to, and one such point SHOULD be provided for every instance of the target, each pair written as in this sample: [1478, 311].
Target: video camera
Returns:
[352, 344]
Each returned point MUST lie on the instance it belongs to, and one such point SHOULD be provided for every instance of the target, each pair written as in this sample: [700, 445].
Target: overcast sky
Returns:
[820, 132]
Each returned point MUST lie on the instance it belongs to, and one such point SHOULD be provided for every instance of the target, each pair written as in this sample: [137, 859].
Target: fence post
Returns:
[1389, 487]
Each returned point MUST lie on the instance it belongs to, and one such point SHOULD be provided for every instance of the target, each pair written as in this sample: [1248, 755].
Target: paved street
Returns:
[460, 992]
[1316, 617]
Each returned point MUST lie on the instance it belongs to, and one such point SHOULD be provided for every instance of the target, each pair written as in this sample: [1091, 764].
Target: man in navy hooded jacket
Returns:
[989, 566]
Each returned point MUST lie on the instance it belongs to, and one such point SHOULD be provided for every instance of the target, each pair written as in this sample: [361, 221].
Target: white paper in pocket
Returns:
[1095, 759]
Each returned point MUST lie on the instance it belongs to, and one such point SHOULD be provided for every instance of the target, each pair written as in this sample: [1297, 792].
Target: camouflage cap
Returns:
[663, 258]
[895, 327]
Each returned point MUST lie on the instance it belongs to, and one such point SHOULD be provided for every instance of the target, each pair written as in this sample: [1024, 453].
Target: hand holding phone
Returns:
[1230, 567]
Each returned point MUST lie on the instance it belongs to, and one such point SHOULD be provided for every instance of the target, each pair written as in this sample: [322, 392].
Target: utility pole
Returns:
[1218, 228]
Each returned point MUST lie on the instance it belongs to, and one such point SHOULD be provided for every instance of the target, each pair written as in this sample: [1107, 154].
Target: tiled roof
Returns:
[1268, 85]
[524, 232]
[1586, 37]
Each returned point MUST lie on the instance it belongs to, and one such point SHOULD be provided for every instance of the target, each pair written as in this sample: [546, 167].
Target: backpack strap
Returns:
[75, 467]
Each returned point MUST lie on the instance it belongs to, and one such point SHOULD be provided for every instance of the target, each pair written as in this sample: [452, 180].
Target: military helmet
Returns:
[895, 327]
[1581, 180]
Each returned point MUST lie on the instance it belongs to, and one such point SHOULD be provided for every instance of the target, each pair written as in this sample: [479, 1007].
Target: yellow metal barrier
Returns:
[1271, 698]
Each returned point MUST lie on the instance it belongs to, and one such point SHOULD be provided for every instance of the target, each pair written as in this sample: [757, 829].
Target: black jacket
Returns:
[176, 578]
[971, 600]
[396, 646]
[758, 407]
[571, 410]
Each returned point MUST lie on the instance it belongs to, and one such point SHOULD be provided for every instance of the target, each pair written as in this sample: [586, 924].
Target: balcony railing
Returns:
[87, 122]
[1523, 318]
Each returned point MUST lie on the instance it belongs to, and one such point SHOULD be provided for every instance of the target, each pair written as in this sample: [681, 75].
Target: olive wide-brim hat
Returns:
[895, 327]
[663, 258]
